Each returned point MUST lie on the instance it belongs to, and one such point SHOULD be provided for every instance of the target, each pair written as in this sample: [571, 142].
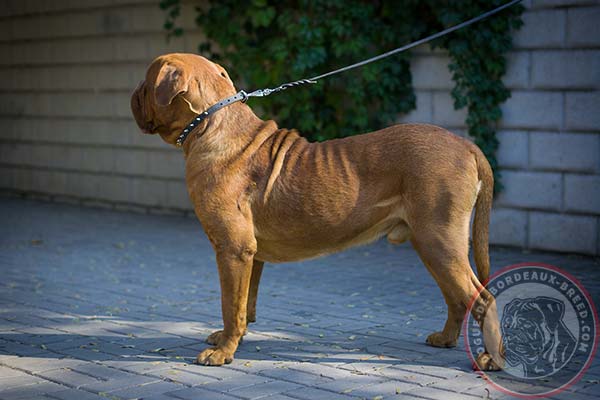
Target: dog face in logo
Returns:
[536, 338]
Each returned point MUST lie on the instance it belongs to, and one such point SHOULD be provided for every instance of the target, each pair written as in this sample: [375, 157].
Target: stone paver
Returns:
[100, 304]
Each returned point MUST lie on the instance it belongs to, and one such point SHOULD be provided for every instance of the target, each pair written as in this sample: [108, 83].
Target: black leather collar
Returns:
[239, 96]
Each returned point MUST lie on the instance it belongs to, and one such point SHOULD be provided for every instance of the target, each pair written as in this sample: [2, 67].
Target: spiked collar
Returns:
[239, 96]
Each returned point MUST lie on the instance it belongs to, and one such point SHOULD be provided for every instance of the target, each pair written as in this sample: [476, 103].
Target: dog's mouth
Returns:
[520, 353]
[520, 347]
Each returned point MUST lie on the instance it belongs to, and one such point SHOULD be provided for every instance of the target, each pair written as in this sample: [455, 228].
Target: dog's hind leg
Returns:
[444, 251]
[453, 279]
[486, 314]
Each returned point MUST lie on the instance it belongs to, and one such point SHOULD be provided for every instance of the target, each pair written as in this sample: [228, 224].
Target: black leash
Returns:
[243, 96]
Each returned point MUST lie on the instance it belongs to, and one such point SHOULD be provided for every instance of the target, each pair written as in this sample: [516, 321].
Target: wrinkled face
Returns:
[523, 338]
[177, 87]
[530, 330]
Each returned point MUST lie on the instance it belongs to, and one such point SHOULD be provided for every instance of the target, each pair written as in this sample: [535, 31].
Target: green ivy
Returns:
[265, 43]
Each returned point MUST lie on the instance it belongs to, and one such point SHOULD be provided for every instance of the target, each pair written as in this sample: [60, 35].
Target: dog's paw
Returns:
[214, 356]
[438, 339]
[251, 317]
[484, 362]
[214, 337]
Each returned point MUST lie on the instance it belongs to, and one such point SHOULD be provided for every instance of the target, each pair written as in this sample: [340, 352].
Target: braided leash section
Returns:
[267, 91]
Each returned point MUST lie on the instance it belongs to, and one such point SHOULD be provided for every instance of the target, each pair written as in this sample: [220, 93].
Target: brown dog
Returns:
[266, 194]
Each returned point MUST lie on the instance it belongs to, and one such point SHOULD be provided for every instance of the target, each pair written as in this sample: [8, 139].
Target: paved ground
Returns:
[99, 304]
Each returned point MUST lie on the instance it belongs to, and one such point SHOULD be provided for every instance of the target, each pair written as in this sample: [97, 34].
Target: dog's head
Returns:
[533, 330]
[177, 87]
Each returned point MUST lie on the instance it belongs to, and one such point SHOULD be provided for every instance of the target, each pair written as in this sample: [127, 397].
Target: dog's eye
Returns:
[223, 75]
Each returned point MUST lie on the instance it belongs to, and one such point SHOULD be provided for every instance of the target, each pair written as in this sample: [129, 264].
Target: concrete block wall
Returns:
[66, 133]
[550, 131]
[554, 187]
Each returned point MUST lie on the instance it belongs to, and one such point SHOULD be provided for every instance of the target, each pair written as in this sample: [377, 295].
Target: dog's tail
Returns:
[481, 222]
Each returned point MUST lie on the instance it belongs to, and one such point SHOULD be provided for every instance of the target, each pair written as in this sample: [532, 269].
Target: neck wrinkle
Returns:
[237, 125]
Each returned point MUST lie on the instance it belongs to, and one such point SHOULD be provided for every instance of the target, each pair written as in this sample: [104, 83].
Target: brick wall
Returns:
[66, 133]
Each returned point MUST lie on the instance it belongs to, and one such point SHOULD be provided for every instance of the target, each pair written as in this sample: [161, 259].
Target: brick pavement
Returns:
[97, 304]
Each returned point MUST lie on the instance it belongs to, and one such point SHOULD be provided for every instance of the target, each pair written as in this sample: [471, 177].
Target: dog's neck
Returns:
[227, 133]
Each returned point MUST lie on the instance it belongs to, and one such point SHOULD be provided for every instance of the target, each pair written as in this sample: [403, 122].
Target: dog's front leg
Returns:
[235, 269]
[253, 294]
[257, 268]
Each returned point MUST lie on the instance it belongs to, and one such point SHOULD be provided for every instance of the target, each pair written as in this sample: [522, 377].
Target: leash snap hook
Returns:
[261, 92]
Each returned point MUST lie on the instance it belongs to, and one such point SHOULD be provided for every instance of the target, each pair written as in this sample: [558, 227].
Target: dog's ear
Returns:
[171, 82]
[552, 309]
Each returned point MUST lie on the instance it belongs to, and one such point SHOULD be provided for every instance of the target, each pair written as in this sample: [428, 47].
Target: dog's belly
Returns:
[298, 240]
